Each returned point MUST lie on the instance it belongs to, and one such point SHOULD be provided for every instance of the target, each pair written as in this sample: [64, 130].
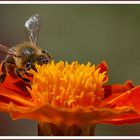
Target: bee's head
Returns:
[43, 59]
[40, 59]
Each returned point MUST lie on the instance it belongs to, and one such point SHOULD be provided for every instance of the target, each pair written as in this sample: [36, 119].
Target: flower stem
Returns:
[50, 129]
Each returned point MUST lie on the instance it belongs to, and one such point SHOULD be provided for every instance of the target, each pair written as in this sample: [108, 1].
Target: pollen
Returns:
[67, 85]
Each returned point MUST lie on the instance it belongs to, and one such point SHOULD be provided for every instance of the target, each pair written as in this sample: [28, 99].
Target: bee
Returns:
[23, 57]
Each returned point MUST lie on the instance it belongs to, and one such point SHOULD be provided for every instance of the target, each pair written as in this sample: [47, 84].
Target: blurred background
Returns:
[79, 32]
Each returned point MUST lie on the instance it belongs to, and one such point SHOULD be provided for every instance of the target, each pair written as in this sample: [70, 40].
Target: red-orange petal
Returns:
[47, 113]
[123, 119]
[111, 91]
[103, 68]
[128, 98]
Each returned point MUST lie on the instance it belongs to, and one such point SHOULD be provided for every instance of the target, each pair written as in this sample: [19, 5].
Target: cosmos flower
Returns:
[63, 94]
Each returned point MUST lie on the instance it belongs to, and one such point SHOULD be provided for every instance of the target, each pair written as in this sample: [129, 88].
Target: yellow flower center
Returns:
[67, 85]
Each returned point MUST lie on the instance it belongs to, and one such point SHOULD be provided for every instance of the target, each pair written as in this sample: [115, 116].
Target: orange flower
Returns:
[71, 94]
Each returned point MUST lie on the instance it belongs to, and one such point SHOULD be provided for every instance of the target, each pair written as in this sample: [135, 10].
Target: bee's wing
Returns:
[6, 50]
[33, 26]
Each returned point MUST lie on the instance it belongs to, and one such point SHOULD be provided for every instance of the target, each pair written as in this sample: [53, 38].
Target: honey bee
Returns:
[23, 57]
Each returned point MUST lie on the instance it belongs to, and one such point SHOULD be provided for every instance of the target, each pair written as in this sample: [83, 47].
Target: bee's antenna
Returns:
[33, 26]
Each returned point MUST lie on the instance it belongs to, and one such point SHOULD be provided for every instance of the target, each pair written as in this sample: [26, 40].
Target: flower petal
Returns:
[103, 68]
[123, 119]
[7, 96]
[112, 91]
[4, 107]
[128, 98]
[16, 85]
[47, 113]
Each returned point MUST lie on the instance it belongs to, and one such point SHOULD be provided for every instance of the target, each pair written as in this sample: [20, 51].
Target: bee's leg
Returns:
[17, 71]
[3, 75]
[28, 66]
[28, 74]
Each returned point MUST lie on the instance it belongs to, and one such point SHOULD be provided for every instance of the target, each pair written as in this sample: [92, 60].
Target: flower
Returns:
[71, 94]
